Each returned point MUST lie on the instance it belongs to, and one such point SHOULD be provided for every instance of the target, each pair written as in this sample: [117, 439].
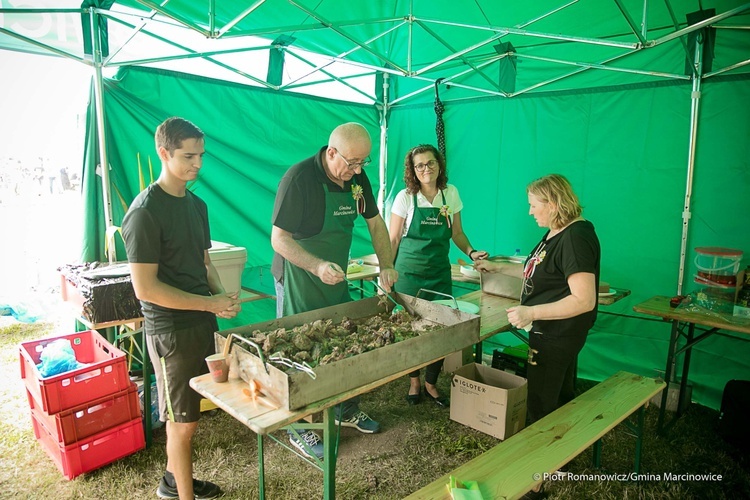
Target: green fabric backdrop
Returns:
[624, 149]
[252, 137]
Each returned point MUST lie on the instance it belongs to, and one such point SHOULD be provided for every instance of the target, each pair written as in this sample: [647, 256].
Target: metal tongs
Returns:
[303, 367]
[275, 358]
[450, 297]
[227, 347]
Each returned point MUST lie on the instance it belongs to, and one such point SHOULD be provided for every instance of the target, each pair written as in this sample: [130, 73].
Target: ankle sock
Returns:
[169, 479]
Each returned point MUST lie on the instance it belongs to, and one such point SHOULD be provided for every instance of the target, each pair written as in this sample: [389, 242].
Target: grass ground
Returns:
[418, 444]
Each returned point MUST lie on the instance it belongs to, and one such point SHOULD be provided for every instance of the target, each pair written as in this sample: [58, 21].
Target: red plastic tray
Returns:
[78, 423]
[105, 373]
[93, 452]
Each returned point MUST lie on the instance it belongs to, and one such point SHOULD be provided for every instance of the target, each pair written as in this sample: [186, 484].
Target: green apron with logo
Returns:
[422, 259]
[303, 291]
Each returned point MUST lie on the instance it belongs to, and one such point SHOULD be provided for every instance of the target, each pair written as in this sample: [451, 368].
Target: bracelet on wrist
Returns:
[471, 254]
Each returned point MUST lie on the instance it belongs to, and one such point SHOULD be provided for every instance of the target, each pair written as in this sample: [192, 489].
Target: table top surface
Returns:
[367, 272]
[262, 418]
[659, 306]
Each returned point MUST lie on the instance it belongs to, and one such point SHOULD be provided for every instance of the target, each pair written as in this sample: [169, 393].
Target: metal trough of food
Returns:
[296, 388]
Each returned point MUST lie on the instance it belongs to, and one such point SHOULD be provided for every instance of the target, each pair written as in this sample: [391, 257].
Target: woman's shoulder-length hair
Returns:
[556, 189]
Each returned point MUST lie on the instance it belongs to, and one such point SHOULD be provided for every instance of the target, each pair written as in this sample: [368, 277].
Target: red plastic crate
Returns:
[70, 426]
[93, 452]
[105, 372]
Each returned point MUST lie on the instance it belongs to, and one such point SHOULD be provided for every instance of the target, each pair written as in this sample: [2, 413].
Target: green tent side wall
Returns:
[252, 137]
[625, 150]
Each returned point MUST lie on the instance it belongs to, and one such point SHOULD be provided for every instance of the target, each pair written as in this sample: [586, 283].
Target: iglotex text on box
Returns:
[489, 400]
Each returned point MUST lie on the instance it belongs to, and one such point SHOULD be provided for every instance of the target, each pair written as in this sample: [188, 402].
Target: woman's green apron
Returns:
[422, 259]
[303, 291]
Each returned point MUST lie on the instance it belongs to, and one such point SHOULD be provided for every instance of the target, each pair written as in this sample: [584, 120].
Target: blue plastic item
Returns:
[57, 357]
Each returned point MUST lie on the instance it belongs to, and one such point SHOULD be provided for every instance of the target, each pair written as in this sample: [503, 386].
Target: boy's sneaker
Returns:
[360, 421]
[309, 438]
[201, 490]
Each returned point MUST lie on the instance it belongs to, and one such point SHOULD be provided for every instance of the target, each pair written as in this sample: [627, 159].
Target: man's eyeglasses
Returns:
[354, 165]
[432, 165]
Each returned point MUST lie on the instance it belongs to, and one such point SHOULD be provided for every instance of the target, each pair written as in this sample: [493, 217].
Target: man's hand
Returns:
[330, 273]
[388, 277]
[486, 266]
[225, 305]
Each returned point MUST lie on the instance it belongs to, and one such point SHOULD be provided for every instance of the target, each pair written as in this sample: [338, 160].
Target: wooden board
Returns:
[659, 306]
[297, 389]
[492, 311]
[548, 444]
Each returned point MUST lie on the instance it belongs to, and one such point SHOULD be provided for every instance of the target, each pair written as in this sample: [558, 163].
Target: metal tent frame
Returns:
[464, 67]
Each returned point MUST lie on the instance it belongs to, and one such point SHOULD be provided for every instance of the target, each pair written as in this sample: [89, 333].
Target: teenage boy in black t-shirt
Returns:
[167, 239]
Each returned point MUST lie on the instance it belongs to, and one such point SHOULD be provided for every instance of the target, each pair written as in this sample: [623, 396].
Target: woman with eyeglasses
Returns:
[425, 217]
[559, 296]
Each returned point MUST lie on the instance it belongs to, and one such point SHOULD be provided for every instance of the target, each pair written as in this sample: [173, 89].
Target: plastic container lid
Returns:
[719, 251]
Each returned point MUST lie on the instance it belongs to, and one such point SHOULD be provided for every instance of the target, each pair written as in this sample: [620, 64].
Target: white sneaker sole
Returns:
[301, 448]
[354, 426]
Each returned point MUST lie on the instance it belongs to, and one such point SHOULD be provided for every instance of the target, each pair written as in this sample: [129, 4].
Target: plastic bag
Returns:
[58, 357]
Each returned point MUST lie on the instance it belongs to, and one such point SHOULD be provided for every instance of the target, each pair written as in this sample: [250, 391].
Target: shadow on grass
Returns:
[418, 444]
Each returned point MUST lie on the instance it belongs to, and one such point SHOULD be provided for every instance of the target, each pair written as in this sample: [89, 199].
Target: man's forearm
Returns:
[381, 242]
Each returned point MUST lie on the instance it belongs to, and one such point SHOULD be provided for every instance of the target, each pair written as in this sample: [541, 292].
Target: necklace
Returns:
[528, 270]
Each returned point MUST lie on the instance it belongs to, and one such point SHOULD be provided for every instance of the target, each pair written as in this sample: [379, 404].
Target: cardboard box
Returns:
[489, 400]
[229, 261]
[458, 359]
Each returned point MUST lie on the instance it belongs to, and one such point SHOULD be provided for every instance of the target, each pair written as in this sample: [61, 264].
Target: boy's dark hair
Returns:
[173, 131]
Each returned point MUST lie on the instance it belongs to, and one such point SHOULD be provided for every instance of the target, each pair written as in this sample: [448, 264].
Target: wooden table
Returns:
[608, 300]
[683, 324]
[457, 275]
[367, 273]
[263, 419]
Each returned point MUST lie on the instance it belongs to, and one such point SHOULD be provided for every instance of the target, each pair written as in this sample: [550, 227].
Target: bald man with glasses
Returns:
[316, 205]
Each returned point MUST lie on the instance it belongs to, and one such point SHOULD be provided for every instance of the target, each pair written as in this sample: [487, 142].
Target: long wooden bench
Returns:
[518, 464]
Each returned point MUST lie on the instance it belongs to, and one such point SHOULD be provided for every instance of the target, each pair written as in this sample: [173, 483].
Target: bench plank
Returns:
[507, 470]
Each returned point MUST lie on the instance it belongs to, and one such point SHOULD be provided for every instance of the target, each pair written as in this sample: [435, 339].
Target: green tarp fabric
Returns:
[624, 149]
[252, 137]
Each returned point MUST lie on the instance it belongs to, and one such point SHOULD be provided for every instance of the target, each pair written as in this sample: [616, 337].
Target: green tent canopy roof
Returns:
[475, 47]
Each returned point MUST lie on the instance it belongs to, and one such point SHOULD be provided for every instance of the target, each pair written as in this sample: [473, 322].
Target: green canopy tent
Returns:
[641, 104]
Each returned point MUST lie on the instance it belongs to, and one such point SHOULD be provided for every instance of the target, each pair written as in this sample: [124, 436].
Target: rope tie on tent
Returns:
[439, 125]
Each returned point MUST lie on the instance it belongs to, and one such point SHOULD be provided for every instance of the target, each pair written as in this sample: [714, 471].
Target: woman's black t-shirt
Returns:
[574, 250]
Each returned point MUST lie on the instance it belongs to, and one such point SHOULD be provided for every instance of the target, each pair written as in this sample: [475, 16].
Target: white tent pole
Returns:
[99, 106]
[383, 171]
[695, 97]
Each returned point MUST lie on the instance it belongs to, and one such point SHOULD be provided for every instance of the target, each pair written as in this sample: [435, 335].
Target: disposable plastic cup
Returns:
[218, 367]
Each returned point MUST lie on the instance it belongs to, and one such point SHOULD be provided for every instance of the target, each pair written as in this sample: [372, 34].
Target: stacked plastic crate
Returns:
[87, 417]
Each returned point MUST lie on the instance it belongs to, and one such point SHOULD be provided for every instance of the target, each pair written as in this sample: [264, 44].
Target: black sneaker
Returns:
[201, 490]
